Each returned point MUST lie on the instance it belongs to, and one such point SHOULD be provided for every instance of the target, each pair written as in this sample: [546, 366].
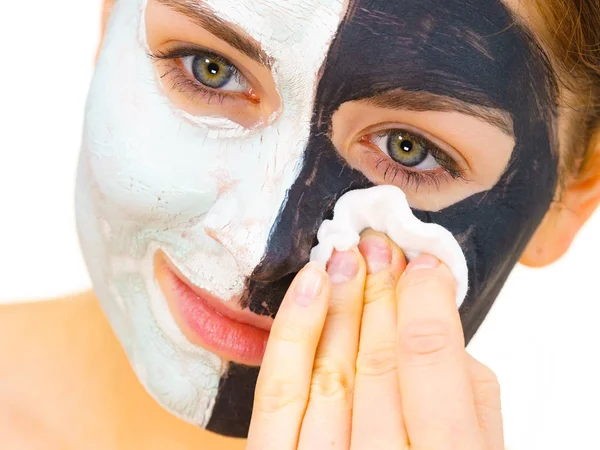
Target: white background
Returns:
[541, 337]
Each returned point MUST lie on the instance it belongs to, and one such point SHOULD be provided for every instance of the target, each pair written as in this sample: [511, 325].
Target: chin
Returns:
[182, 377]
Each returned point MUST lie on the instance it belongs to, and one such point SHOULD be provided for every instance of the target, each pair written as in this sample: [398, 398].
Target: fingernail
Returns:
[309, 285]
[342, 267]
[376, 252]
[422, 262]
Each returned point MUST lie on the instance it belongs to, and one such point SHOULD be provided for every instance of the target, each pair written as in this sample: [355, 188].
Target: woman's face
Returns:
[219, 135]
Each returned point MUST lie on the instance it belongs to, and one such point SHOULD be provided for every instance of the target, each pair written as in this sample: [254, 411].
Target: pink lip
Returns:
[237, 335]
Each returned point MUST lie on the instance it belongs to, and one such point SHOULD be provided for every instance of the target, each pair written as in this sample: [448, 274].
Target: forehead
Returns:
[282, 24]
[471, 45]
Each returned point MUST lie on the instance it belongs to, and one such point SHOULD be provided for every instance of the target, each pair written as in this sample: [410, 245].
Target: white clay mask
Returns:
[385, 209]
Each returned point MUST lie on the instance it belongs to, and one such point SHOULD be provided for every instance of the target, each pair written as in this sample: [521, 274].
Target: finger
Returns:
[328, 418]
[284, 379]
[377, 415]
[437, 397]
[486, 391]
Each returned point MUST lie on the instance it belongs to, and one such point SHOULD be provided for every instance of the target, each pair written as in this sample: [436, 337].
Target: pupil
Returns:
[212, 71]
[213, 68]
[406, 145]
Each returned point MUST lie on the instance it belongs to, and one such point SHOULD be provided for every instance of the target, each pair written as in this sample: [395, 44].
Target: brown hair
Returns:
[570, 31]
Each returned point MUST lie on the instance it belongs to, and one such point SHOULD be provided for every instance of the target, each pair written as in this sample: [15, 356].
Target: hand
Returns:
[372, 357]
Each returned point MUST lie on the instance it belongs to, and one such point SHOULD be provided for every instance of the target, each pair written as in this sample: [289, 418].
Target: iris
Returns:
[212, 71]
[406, 148]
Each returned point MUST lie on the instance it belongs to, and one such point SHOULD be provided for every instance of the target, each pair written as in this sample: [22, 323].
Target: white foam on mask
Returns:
[385, 209]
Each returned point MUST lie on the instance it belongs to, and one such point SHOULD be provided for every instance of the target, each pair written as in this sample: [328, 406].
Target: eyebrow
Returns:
[426, 101]
[208, 19]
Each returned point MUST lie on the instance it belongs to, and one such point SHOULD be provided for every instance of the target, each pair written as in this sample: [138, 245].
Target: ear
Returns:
[566, 217]
[106, 9]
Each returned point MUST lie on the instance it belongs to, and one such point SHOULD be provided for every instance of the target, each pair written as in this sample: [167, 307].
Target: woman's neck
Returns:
[68, 373]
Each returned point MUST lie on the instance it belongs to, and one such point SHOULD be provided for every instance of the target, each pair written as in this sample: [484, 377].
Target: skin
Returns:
[102, 405]
[80, 354]
[236, 211]
[397, 348]
[364, 315]
[238, 222]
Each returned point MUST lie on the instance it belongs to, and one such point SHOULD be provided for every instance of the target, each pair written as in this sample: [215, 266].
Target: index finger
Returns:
[437, 397]
[283, 384]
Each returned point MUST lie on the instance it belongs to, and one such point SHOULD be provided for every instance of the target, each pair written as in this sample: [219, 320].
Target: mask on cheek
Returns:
[237, 211]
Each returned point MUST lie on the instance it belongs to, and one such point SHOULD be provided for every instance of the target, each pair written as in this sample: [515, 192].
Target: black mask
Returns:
[470, 50]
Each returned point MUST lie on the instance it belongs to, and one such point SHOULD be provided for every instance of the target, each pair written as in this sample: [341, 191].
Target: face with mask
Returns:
[219, 136]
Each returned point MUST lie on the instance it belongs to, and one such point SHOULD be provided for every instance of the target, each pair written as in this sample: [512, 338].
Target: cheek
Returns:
[157, 176]
[140, 156]
[167, 176]
[145, 179]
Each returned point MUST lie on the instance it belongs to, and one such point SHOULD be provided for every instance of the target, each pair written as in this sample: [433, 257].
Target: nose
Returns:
[323, 178]
[241, 225]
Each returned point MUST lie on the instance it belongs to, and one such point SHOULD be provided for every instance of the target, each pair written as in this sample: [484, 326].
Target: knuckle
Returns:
[488, 394]
[430, 280]
[277, 395]
[340, 306]
[378, 361]
[422, 278]
[480, 372]
[380, 286]
[486, 375]
[428, 342]
[486, 387]
[331, 380]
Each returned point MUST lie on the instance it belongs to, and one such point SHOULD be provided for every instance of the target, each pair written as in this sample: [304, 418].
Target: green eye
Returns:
[214, 72]
[207, 69]
[211, 70]
[406, 148]
[415, 151]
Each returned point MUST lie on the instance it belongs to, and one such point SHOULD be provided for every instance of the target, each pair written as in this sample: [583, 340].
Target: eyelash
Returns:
[385, 166]
[194, 90]
[389, 169]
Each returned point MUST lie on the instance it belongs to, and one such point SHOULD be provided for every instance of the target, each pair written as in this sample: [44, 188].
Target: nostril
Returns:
[232, 237]
[210, 232]
[285, 257]
[277, 264]
[217, 228]
[223, 236]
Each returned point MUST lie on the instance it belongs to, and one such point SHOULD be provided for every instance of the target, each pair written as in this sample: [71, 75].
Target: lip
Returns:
[205, 320]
